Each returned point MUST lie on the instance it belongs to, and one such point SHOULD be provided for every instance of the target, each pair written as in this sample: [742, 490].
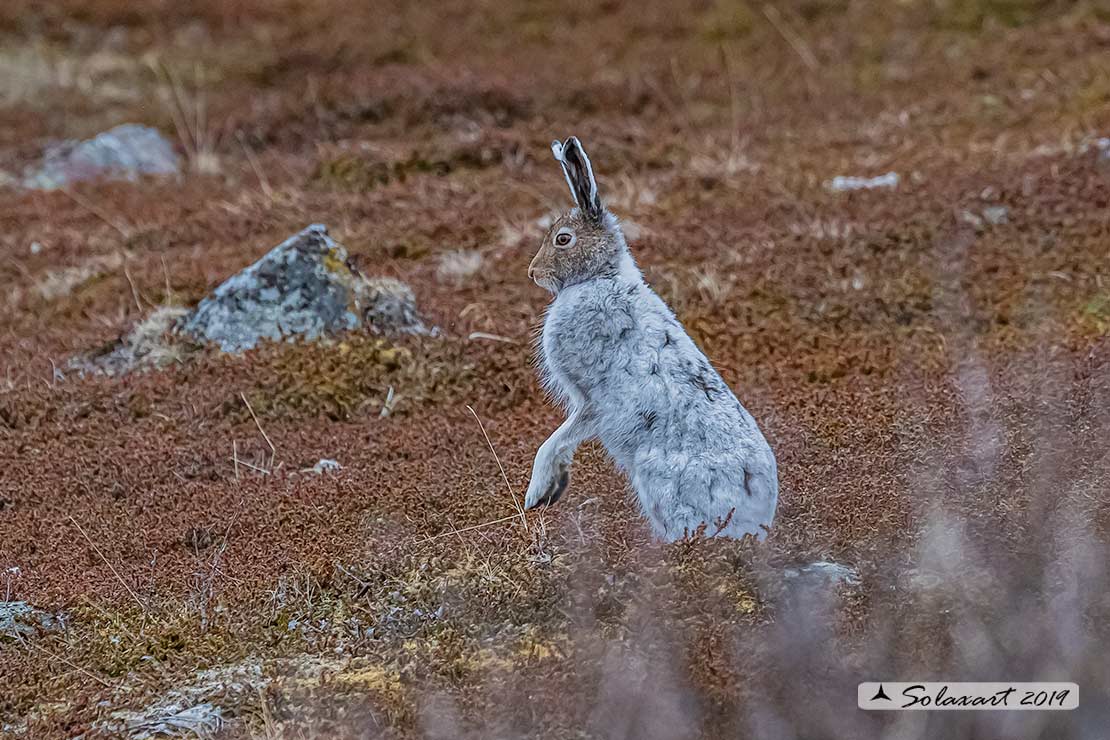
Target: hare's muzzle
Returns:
[534, 272]
[540, 272]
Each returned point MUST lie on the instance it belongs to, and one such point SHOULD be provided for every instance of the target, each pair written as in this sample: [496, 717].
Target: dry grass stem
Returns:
[111, 567]
[471, 528]
[504, 477]
[120, 227]
[797, 43]
[252, 159]
[490, 337]
[60, 659]
[273, 450]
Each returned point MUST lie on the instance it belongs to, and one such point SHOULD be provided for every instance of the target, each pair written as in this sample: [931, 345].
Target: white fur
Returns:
[627, 372]
[557, 150]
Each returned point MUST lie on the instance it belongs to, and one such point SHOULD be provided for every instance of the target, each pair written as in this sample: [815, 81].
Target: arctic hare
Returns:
[620, 362]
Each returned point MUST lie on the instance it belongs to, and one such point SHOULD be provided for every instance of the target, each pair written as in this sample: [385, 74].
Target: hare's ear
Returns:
[580, 176]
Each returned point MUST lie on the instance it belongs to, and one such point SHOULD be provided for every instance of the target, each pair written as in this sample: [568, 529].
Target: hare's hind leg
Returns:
[551, 469]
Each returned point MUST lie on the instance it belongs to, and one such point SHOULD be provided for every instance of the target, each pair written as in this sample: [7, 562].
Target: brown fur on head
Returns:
[585, 242]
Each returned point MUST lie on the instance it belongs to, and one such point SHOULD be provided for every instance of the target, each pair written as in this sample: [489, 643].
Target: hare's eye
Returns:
[564, 239]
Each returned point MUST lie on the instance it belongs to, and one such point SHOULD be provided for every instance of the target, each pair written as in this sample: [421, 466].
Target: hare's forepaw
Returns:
[546, 487]
[551, 468]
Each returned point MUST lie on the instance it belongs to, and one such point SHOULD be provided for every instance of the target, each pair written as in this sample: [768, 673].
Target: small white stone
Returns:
[996, 215]
[824, 571]
[970, 218]
[842, 183]
[326, 465]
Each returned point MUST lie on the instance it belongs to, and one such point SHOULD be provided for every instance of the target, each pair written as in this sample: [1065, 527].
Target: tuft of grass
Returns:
[32, 71]
[361, 172]
[56, 284]
[351, 172]
[1095, 315]
[727, 20]
[689, 289]
[458, 266]
[190, 116]
[352, 376]
[973, 15]
[337, 381]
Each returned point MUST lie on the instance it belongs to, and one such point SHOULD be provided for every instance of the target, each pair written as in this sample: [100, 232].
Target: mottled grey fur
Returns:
[616, 357]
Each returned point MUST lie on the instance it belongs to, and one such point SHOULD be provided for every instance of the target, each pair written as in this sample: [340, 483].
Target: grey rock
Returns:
[201, 720]
[823, 573]
[18, 619]
[197, 708]
[150, 345]
[123, 153]
[391, 307]
[304, 287]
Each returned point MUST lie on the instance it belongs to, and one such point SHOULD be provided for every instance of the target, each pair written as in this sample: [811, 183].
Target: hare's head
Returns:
[585, 242]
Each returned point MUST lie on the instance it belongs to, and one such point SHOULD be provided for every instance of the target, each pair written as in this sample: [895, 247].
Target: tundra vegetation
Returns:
[322, 537]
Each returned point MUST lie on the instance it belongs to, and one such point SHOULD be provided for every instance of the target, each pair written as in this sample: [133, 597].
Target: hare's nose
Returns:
[531, 272]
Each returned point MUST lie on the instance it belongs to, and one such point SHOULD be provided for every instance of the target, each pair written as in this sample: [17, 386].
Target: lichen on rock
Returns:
[305, 287]
[18, 620]
[391, 307]
[150, 345]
